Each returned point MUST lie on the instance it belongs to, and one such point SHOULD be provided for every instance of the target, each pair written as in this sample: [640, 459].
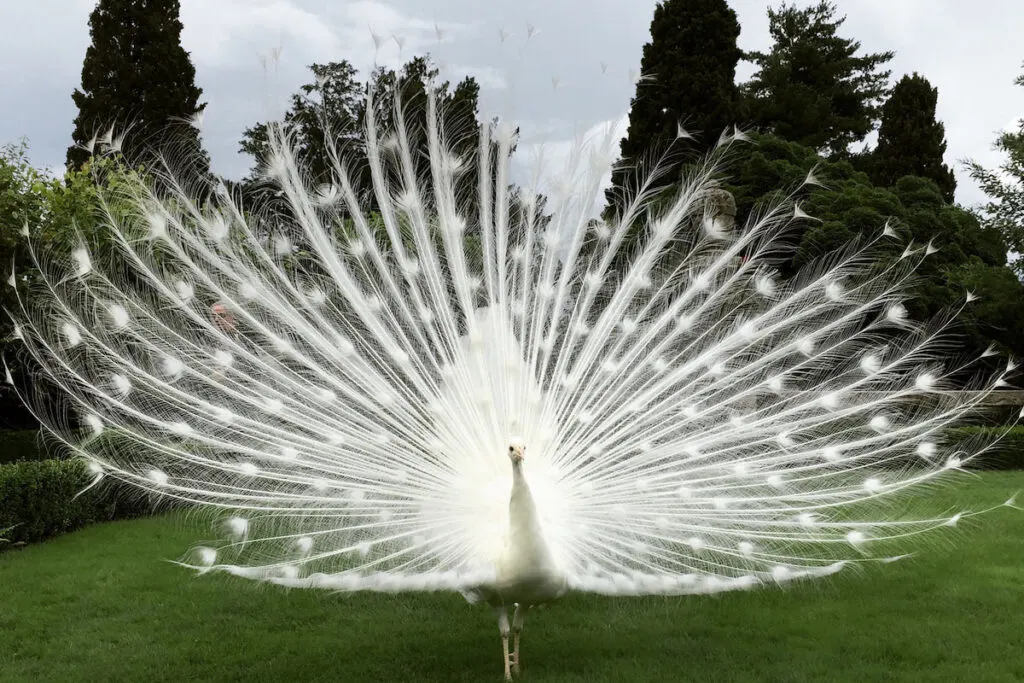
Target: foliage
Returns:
[999, 312]
[136, 75]
[56, 214]
[688, 79]
[21, 444]
[329, 115]
[969, 257]
[910, 140]
[1004, 186]
[332, 109]
[40, 498]
[813, 87]
[22, 206]
[406, 89]
[1006, 454]
[330, 105]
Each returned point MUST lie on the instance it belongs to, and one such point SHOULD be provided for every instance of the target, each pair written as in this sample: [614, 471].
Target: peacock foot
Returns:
[514, 656]
[511, 666]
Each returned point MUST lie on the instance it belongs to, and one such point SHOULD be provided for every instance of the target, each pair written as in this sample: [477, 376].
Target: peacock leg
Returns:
[503, 627]
[517, 629]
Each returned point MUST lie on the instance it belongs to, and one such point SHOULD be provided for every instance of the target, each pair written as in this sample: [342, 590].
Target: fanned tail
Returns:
[342, 378]
[724, 428]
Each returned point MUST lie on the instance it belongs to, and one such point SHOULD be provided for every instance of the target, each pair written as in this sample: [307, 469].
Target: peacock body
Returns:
[433, 390]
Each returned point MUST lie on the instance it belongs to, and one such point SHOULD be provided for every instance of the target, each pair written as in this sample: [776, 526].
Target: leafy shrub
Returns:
[1007, 454]
[40, 498]
[32, 444]
[21, 445]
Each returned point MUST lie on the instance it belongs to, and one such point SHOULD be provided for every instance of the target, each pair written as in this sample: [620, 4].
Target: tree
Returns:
[332, 104]
[57, 214]
[1005, 187]
[332, 111]
[969, 257]
[460, 106]
[21, 206]
[137, 77]
[812, 87]
[689, 73]
[910, 140]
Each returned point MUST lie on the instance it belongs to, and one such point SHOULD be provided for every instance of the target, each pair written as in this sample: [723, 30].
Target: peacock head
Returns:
[516, 451]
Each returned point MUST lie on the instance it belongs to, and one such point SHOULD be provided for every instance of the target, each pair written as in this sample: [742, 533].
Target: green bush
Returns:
[21, 445]
[40, 498]
[1007, 454]
[34, 444]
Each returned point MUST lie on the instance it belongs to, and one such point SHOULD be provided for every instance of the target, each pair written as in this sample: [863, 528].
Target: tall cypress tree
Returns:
[137, 77]
[691, 61]
[910, 140]
[813, 87]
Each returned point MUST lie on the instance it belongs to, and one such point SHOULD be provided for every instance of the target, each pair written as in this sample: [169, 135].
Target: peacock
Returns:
[448, 382]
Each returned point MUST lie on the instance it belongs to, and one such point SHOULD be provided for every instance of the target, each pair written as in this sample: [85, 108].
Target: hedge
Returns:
[38, 500]
[38, 497]
[1007, 454]
[22, 445]
[34, 444]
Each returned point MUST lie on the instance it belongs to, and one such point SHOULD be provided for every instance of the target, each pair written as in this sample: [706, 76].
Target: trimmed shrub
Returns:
[1007, 454]
[35, 444]
[21, 445]
[38, 500]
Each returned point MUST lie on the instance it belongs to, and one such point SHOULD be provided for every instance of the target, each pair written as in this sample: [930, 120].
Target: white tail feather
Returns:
[694, 423]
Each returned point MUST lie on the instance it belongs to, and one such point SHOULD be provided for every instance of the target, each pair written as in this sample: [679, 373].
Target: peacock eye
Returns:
[510, 449]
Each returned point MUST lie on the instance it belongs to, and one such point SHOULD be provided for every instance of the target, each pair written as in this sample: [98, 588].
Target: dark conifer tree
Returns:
[813, 87]
[689, 69]
[910, 140]
[137, 78]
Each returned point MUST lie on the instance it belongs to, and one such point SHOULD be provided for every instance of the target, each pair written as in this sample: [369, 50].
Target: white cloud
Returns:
[970, 51]
[232, 33]
[488, 77]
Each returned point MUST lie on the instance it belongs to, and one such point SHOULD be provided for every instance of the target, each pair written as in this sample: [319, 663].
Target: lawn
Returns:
[101, 604]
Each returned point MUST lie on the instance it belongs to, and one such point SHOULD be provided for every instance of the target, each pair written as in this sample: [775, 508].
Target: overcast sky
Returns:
[971, 51]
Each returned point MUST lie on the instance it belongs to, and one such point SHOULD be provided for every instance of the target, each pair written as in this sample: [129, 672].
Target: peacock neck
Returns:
[518, 478]
[521, 497]
[524, 527]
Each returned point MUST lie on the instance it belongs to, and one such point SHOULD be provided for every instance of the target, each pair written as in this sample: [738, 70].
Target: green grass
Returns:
[101, 604]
